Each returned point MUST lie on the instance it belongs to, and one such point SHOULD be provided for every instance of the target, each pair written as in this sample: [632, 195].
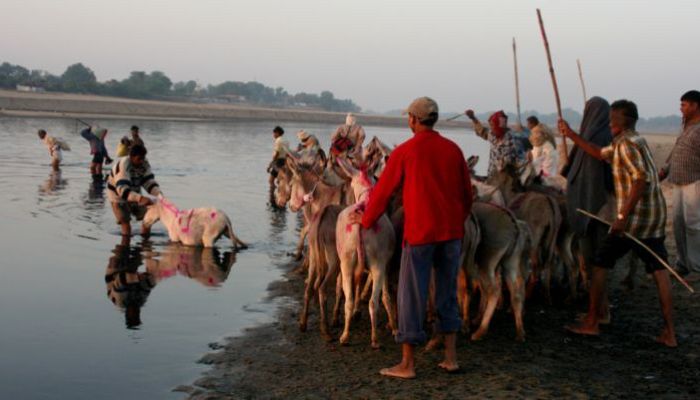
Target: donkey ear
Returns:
[346, 166]
[292, 165]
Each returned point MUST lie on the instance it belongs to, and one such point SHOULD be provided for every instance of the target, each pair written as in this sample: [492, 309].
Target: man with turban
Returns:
[503, 151]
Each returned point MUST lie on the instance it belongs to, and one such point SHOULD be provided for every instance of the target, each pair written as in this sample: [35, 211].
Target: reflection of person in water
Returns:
[205, 265]
[128, 288]
[54, 183]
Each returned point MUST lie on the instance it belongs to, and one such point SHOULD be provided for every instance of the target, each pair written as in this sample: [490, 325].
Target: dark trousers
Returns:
[414, 279]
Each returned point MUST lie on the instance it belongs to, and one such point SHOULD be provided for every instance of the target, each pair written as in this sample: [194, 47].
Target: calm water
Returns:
[61, 336]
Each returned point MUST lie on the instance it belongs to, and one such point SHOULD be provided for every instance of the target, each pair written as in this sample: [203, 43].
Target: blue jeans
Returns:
[414, 279]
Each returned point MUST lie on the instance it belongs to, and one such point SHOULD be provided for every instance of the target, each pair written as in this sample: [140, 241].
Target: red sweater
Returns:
[437, 190]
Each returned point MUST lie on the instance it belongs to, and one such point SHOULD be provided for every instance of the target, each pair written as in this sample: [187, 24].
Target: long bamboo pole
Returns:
[583, 85]
[554, 81]
[645, 247]
[517, 81]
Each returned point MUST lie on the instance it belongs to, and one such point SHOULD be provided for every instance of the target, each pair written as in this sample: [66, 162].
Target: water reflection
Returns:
[129, 285]
[207, 266]
[127, 288]
[53, 184]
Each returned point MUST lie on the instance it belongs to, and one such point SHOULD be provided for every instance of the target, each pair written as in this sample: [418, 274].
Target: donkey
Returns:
[320, 201]
[195, 227]
[376, 154]
[543, 215]
[358, 246]
[502, 253]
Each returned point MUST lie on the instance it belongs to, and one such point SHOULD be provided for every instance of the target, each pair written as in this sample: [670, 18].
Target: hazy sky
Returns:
[380, 53]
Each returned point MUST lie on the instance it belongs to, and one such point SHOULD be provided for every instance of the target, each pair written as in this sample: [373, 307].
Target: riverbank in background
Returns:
[65, 105]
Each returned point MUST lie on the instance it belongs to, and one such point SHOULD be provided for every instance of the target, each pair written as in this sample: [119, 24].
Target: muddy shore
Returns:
[277, 361]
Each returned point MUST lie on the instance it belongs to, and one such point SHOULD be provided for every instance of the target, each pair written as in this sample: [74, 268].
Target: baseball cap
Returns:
[422, 108]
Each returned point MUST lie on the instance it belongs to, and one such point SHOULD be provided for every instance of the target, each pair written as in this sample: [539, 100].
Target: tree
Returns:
[12, 75]
[79, 78]
[185, 88]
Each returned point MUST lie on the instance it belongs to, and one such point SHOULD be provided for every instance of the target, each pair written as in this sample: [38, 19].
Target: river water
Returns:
[61, 333]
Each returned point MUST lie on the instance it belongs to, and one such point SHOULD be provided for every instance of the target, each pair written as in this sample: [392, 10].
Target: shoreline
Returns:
[275, 360]
[65, 105]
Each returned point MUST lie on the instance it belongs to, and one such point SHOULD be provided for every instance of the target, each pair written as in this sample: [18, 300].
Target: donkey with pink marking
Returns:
[360, 248]
[194, 227]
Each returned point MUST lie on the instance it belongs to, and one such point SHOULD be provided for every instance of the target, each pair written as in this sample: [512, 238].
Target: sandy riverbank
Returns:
[277, 361]
[65, 105]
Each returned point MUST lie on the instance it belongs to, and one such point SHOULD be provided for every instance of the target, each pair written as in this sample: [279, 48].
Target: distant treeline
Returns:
[78, 78]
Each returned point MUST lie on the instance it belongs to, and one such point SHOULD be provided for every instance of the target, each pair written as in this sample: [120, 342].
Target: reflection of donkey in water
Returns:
[194, 227]
[205, 265]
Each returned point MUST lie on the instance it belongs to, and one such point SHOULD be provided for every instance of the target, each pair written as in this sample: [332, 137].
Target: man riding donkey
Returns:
[437, 195]
[641, 212]
[348, 138]
[503, 151]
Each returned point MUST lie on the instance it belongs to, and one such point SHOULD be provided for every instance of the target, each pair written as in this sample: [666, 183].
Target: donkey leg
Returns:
[347, 271]
[377, 283]
[491, 290]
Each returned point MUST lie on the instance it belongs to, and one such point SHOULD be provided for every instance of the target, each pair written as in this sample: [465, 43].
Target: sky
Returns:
[379, 53]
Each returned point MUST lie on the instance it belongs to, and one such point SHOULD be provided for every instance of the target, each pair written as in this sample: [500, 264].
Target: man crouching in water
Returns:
[124, 185]
[437, 195]
[641, 212]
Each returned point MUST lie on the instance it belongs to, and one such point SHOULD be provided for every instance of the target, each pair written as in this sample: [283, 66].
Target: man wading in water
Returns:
[437, 194]
[641, 212]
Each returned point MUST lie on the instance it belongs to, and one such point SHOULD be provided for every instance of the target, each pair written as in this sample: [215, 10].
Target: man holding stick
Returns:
[641, 212]
[503, 151]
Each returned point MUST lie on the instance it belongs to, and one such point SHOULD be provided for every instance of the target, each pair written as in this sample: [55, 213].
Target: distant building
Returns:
[25, 88]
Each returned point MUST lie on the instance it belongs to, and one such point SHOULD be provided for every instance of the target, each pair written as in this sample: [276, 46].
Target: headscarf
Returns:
[589, 181]
[541, 134]
[499, 123]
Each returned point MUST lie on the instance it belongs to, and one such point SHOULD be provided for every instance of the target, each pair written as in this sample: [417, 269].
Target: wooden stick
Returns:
[645, 247]
[82, 122]
[583, 85]
[517, 82]
[554, 80]
[454, 117]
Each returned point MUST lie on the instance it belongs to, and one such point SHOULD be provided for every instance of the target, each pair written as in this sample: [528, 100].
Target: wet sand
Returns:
[277, 361]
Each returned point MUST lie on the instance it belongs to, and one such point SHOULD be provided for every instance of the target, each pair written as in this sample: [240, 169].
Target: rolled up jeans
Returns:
[686, 225]
[414, 279]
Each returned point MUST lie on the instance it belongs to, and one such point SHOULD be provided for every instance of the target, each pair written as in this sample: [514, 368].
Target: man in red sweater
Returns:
[437, 196]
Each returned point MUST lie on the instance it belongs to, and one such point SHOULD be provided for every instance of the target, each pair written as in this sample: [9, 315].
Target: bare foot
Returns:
[449, 366]
[667, 339]
[602, 320]
[583, 328]
[399, 371]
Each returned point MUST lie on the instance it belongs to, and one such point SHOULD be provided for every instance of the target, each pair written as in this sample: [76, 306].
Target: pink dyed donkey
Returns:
[195, 227]
[364, 248]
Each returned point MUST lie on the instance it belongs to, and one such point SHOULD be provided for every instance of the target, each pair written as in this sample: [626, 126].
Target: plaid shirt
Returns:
[684, 161]
[631, 161]
[503, 151]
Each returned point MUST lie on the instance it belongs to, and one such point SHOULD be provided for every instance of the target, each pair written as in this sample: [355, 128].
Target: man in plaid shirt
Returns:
[641, 212]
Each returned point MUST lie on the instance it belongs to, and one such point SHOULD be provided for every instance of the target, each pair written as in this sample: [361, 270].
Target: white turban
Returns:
[350, 119]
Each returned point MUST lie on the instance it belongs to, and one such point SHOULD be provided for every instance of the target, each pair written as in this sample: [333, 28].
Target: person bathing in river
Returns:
[55, 147]
[503, 151]
[437, 195]
[96, 137]
[124, 184]
[641, 212]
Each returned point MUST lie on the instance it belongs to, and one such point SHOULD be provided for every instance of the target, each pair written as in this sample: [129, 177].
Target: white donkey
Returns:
[358, 246]
[194, 227]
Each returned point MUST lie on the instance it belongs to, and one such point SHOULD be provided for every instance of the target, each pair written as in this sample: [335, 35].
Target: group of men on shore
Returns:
[610, 172]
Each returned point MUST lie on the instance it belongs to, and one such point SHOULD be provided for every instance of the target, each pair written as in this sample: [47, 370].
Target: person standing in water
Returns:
[96, 137]
[55, 147]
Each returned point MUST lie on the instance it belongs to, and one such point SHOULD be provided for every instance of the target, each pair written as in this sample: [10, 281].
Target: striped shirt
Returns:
[684, 161]
[126, 180]
[503, 151]
[632, 161]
